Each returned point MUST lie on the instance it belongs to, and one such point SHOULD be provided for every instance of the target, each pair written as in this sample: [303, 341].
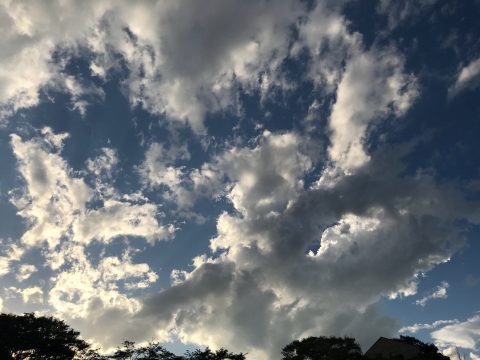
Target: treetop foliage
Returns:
[323, 348]
[29, 336]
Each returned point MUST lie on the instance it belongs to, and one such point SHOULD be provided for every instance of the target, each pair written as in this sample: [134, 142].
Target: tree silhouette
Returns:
[155, 351]
[152, 351]
[30, 337]
[428, 351]
[323, 348]
[208, 354]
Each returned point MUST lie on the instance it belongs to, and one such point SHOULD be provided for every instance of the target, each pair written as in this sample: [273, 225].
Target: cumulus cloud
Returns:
[468, 78]
[159, 170]
[32, 295]
[94, 297]
[288, 261]
[31, 33]
[439, 292]
[465, 334]
[25, 271]
[57, 204]
[284, 251]
[194, 69]
[373, 86]
[12, 253]
[417, 327]
[324, 32]
[55, 199]
[176, 64]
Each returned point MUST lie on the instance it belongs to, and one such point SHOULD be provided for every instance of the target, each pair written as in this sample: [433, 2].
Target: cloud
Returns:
[373, 87]
[121, 218]
[468, 78]
[439, 292]
[67, 211]
[11, 254]
[301, 229]
[95, 298]
[25, 271]
[51, 196]
[176, 64]
[417, 327]
[55, 199]
[32, 295]
[191, 70]
[288, 261]
[399, 12]
[159, 170]
[474, 356]
[464, 334]
[325, 33]
[31, 33]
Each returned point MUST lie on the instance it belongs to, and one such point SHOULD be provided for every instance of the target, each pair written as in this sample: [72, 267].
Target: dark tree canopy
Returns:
[155, 351]
[39, 337]
[30, 337]
[428, 351]
[208, 354]
[323, 348]
[152, 351]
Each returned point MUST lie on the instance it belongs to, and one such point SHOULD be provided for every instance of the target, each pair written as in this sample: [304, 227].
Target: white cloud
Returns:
[159, 170]
[285, 253]
[11, 254]
[56, 202]
[266, 178]
[468, 78]
[325, 34]
[176, 64]
[121, 218]
[51, 195]
[104, 164]
[464, 334]
[93, 298]
[282, 265]
[474, 356]
[439, 292]
[191, 70]
[372, 87]
[54, 199]
[417, 327]
[32, 295]
[31, 33]
[25, 271]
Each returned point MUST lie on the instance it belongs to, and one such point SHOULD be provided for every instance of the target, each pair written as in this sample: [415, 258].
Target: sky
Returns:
[242, 173]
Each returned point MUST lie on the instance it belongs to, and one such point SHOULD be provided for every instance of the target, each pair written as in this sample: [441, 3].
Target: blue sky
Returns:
[242, 173]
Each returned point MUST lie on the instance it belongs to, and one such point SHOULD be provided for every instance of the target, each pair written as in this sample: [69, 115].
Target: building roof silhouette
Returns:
[393, 349]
